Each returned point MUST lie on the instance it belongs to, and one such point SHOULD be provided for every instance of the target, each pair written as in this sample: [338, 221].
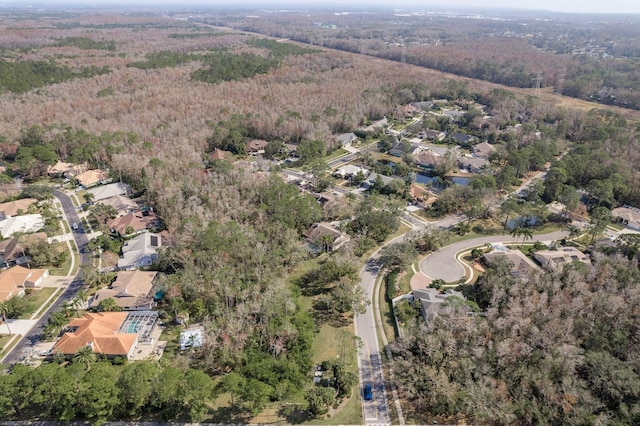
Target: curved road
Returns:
[443, 264]
[28, 340]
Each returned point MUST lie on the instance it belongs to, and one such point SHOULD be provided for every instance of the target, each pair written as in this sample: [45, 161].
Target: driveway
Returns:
[443, 264]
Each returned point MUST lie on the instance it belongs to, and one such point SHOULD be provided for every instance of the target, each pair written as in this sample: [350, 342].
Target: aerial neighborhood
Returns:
[233, 218]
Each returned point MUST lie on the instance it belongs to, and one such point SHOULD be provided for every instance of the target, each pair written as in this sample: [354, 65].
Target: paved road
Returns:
[32, 336]
[444, 265]
[375, 411]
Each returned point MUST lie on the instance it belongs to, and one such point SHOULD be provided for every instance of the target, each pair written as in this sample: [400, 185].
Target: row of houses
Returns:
[430, 157]
[549, 260]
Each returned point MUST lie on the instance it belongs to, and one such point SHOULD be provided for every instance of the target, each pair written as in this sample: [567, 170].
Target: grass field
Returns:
[36, 299]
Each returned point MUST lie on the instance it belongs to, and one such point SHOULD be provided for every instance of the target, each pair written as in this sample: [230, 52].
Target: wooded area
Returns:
[162, 94]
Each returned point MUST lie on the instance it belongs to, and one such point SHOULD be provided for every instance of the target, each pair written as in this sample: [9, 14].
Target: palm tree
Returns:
[4, 311]
[327, 242]
[516, 232]
[85, 356]
[66, 309]
[527, 234]
[109, 305]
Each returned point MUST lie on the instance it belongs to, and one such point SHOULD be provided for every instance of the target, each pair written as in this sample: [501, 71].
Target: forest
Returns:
[551, 349]
[163, 94]
[584, 57]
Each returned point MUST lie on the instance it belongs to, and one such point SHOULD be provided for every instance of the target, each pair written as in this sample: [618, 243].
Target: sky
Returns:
[580, 6]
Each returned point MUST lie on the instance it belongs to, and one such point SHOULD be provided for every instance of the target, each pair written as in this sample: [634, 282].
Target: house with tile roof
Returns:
[131, 291]
[13, 281]
[133, 223]
[256, 146]
[101, 332]
[122, 204]
[92, 177]
[12, 208]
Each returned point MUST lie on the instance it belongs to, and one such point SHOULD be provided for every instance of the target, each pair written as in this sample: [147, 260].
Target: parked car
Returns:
[367, 392]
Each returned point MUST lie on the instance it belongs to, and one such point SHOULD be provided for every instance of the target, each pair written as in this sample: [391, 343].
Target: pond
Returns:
[436, 182]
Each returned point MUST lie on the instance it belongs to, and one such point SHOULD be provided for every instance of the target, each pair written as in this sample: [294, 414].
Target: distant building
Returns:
[553, 260]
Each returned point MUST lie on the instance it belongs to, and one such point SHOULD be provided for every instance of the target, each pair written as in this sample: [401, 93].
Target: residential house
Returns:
[192, 337]
[473, 165]
[140, 251]
[66, 169]
[123, 205]
[131, 291]
[423, 105]
[350, 171]
[92, 177]
[410, 110]
[133, 223]
[434, 135]
[453, 115]
[101, 331]
[427, 159]
[110, 190]
[520, 265]
[11, 253]
[24, 224]
[256, 146]
[327, 237]
[346, 139]
[628, 216]
[419, 196]
[553, 260]
[217, 154]
[14, 208]
[434, 303]
[483, 150]
[375, 179]
[463, 138]
[402, 148]
[13, 281]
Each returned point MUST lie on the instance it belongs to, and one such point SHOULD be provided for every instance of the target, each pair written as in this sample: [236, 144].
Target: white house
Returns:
[26, 224]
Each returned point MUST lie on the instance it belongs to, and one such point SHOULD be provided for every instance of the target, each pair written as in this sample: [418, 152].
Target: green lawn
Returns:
[404, 283]
[4, 340]
[36, 299]
[388, 323]
[335, 154]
